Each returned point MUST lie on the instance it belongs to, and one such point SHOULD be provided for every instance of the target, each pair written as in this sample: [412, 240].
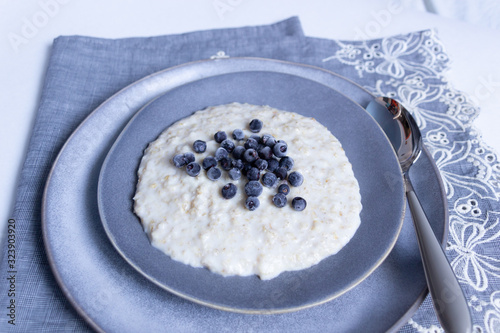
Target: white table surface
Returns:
[24, 52]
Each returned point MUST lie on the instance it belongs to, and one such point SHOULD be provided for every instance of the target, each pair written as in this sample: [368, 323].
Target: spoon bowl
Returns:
[400, 128]
[447, 296]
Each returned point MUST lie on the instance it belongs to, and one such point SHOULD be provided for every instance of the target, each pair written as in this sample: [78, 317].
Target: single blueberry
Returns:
[281, 141]
[234, 173]
[280, 173]
[253, 188]
[193, 169]
[287, 163]
[251, 143]
[256, 138]
[260, 164]
[199, 146]
[220, 136]
[229, 191]
[295, 178]
[284, 188]
[238, 135]
[253, 174]
[279, 200]
[250, 155]
[255, 125]
[179, 160]
[269, 179]
[228, 145]
[265, 153]
[272, 164]
[208, 162]
[299, 203]
[268, 140]
[238, 164]
[238, 152]
[226, 163]
[280, 148]
[214, 173]
[252, 203]
[246, 168]
[221, 153]
[189, 157]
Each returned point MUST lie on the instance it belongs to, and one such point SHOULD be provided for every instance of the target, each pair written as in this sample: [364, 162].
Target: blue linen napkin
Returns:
[83, 72]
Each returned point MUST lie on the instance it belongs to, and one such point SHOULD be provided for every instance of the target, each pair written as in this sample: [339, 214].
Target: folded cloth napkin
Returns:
[83, 72]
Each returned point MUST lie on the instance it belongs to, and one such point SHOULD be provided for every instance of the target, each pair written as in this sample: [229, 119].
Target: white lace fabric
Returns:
[412, 69]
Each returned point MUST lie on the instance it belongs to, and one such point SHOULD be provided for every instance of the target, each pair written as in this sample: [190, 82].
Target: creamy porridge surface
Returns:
[188, 219]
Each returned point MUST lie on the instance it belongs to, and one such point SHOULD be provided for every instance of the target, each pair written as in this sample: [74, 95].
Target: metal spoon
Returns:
[447, 296]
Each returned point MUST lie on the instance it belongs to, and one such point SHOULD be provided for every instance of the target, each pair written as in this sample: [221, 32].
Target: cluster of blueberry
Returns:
[256, 155]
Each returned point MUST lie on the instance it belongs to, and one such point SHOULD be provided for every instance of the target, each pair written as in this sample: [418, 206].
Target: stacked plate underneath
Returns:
[118, 282]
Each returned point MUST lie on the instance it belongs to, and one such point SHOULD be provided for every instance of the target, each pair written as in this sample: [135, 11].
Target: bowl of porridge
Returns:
[253, 193]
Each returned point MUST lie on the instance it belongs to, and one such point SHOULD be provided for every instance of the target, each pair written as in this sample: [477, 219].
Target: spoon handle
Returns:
[447, 296]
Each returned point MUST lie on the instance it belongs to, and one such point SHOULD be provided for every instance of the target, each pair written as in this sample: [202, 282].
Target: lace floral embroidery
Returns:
[410, 68]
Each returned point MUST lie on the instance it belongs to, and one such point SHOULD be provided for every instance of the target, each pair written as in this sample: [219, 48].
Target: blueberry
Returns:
[220, 136]
[228, 145]
[250, 155]
[199, 146]
[295, 178]
[226, 163]
[246, 168]
[253, 188]
[238, 152]
[253, 174]
[209, 162]
[255, 137]
[280, 173]
[265, 153]
[272, 164]
[251, 143]
[260, 146]
[252, 203]
[214, 173]
[238, 164]
[269, 179]
[189, 157]
[279, 200]
[193, 169]
[221, 153]
[280, 148]
[255, 125]
[284, 188]
[229, 191]
[268, 140]
[234, 173]
[299, 203]
[260, 164]
[238, 135]
[287, 163]
[179, 160]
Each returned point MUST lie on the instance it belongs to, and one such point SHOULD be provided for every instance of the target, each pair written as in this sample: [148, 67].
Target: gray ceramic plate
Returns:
[113, 297]
[366, 146]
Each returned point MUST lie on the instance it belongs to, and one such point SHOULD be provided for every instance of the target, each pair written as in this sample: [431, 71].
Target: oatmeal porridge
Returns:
[193, 215]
